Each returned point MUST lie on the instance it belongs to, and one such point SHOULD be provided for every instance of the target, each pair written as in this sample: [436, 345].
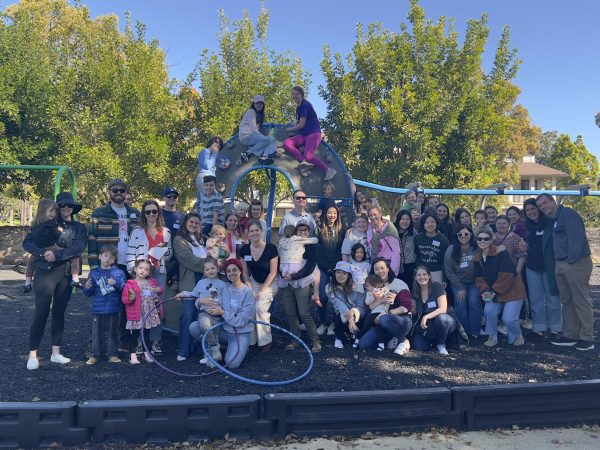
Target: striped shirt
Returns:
[209, 204]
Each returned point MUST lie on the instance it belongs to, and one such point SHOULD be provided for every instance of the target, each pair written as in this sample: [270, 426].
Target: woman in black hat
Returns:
[51, 285]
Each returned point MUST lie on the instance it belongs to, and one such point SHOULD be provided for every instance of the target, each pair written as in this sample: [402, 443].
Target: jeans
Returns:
[573, 282]
[260, 144]
[510, 317]
[546, 311]
[104, 330]
[50, 287]
[391, 325]
[310, 142]
[469, 310]
[322, 310]
[443, 324]
[296, 303]
[262, 333]
[205, 322]
[188, 314]
[237, 348]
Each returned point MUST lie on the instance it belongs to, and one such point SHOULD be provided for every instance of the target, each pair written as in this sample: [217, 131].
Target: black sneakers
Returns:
[563, 341]
[244, 157]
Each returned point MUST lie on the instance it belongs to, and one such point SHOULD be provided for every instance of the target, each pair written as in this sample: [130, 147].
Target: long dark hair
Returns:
[160, 222]
[448, 219]
[410, 230]
[391, 274]
[459, 212]
[456, 243]
[260, 115]
[183, 232]
[530, 224]
[337, 226]
[357, 203]
[345, 288]
[416, 290]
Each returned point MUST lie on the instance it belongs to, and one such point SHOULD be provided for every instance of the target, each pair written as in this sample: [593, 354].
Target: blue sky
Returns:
[557, 42]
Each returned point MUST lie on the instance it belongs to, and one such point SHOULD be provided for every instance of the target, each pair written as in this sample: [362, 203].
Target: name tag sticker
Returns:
[539, 233]
[175, 226]
[432, 304]
[435, 243]
[147, 293]
[248, 258]
[133, 215]
[464, 265]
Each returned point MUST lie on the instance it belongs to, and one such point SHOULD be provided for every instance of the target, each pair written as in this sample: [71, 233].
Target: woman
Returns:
[415, 215]
[463, 216]
[546, 312]
[408, 255]
[356, 235]
[295, 293]
[515, 246]
[433, 324]
[517, 224]
[190, 252]
[501, 289]
[259, 262]
[51, 287]
[430, 247]
[362, 203]
[348, 304]
[234, 236]
[151, 240]
[491, 213]
[397, 322]
[237, 309]
[383, 239]
[308, 134]
[249, 132]
[256, 212]
[445, 224]
[460, 272]
[330, 235]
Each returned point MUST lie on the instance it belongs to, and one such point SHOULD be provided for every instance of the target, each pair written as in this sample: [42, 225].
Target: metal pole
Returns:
[273, 177]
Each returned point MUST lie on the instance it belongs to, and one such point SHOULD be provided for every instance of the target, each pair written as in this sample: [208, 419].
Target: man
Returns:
[298, 213]
[573, 270]
[173, 221]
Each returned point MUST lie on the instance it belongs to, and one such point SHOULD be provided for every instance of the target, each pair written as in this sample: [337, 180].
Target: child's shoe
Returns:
[33, 364]
[338, 343]
[114, 359]
[77, 284]
[91, 361]
[148, 358]
[215, 352]
[204, 360]
[442, 350]
[321, 330]
[27, 288]
[380, 347]
[156, 349]
[133, 359]
[59, 359]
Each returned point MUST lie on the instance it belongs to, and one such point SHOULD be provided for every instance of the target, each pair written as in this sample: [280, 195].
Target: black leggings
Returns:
[134, 336]
[51, 289]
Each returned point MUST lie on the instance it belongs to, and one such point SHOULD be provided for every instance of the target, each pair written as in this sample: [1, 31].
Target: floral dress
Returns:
[148, 303]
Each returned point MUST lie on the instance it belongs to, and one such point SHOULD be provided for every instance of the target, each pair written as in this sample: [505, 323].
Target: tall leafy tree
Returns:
[573, 158]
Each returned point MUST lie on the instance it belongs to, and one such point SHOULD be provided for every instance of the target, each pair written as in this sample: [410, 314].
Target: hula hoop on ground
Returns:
[250, 380]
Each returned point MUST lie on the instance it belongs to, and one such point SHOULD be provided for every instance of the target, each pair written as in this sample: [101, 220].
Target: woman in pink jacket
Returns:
[383, 239]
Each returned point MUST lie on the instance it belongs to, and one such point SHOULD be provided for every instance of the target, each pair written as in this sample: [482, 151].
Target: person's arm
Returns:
[90, 285]
[505, 278]
[299, 125]
[30, 246]
[310, 254]
[77, 245]
[451, 272]
[394, 244]
[244, 314]
[576, 237]
[404, 302]
[185, 256]
[203, 159]
[442, 308]
[273, 264]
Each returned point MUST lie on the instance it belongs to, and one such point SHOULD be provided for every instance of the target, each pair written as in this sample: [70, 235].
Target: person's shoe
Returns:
[244, 157]
[77, 284]
[302, 327]
[148, 358]
[134, 360]
[59, 359]
[181, 358]
[520, 340]
[442, 350]
[502, 329]
[584, 346]
[204, 360]
[27, 288]
[527, 324]
[156, 349]
[329, 174]
[492, 341]
[33, 364]
[215, 352]
[139, 350]
[392, 343]
[316, 347]
[265, 348]
[356, 343]
[330, 331]
[380, 347]
[321, 330]
[338, 343]
[292, 345]
[114, 359]
[562, 341]
[402, 348]
[91, 361]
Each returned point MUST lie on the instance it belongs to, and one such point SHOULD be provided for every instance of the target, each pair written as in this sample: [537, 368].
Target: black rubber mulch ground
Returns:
[334, 370]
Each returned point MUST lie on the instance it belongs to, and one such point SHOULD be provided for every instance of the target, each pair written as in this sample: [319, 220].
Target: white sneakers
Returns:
[492, 341]
[181, 358]
[393, 343]
[32, 364]
[338, 344]
[402, 348]
[59, 359]
[321, 330]
[215, 352]
[330, 331]
[520, 340]
[442, 350]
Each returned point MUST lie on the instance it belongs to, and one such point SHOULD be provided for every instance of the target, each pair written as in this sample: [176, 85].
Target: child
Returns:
[208, 292]
[291, 249]
[216, 244]
[46, 233]
[327, 200]
[105, 284]
[356, 235]
[210, 205]
[410, 199]
[359, 266]
[140, 295]
[241, 210]
[480, 219]
[376, 291]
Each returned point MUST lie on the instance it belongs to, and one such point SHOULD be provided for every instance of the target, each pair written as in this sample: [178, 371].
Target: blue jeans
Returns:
[391, 325]
[188, 314]
[546, 310]
[260, 144]
[469, 310]
[510, 317]
[322, 310]
[237, 347]
[443, 324]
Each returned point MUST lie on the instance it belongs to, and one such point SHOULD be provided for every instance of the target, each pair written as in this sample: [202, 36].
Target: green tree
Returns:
[572, 157]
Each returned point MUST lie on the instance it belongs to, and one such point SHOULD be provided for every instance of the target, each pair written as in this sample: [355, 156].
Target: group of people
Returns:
[422, 281]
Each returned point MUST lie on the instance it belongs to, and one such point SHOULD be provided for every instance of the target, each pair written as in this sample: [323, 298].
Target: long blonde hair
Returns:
[43, 206]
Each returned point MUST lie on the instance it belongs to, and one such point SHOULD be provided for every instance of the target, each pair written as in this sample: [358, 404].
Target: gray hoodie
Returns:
[462, 271]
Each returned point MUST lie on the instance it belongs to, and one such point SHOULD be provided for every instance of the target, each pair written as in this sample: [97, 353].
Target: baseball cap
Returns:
[117, 182]
[344, 266]
[258, 98]
[169, 190]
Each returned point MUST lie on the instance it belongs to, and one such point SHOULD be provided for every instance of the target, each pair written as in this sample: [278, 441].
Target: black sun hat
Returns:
[65, 198]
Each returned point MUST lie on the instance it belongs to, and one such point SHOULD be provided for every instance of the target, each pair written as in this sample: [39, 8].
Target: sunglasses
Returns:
[151, 211]
[172, 196]
[485, 239]
[463, 234]
[66, 205]
[300, 198]
[118, 190]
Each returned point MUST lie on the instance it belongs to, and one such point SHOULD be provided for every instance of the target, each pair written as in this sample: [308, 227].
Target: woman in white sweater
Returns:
[249, 132]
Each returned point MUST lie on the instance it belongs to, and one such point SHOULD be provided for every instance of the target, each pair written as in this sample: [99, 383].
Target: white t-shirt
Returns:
[123, 235]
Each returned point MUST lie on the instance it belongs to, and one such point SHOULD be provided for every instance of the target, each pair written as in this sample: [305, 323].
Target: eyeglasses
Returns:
[66, 205]
[172, 196]
[299, 197]
[463, 234]
[303, 230]
[484, 239]
[151, 211]
[118, 190]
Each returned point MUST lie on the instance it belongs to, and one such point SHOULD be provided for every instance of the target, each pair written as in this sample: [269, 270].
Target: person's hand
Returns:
[131, 295]
[49, 256]
[286, 276]
[111, 281]
[461, 295]
[216, 311]
[316, 300]
[389, 299]
[378, 317]
[501, 248]
[154, 288]
[349, 315]
[89, 284]
[352, 327]
[262, 291]
[424, 322]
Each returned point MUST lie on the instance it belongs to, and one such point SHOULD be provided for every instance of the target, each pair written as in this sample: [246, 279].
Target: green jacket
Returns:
[189, 264]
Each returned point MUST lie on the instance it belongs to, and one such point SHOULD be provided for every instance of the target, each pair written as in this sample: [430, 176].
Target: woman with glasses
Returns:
[51, 284]
[460, 272]
[151, 240]
[501, 289]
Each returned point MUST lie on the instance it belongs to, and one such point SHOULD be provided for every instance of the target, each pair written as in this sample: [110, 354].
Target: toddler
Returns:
[376, 292]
